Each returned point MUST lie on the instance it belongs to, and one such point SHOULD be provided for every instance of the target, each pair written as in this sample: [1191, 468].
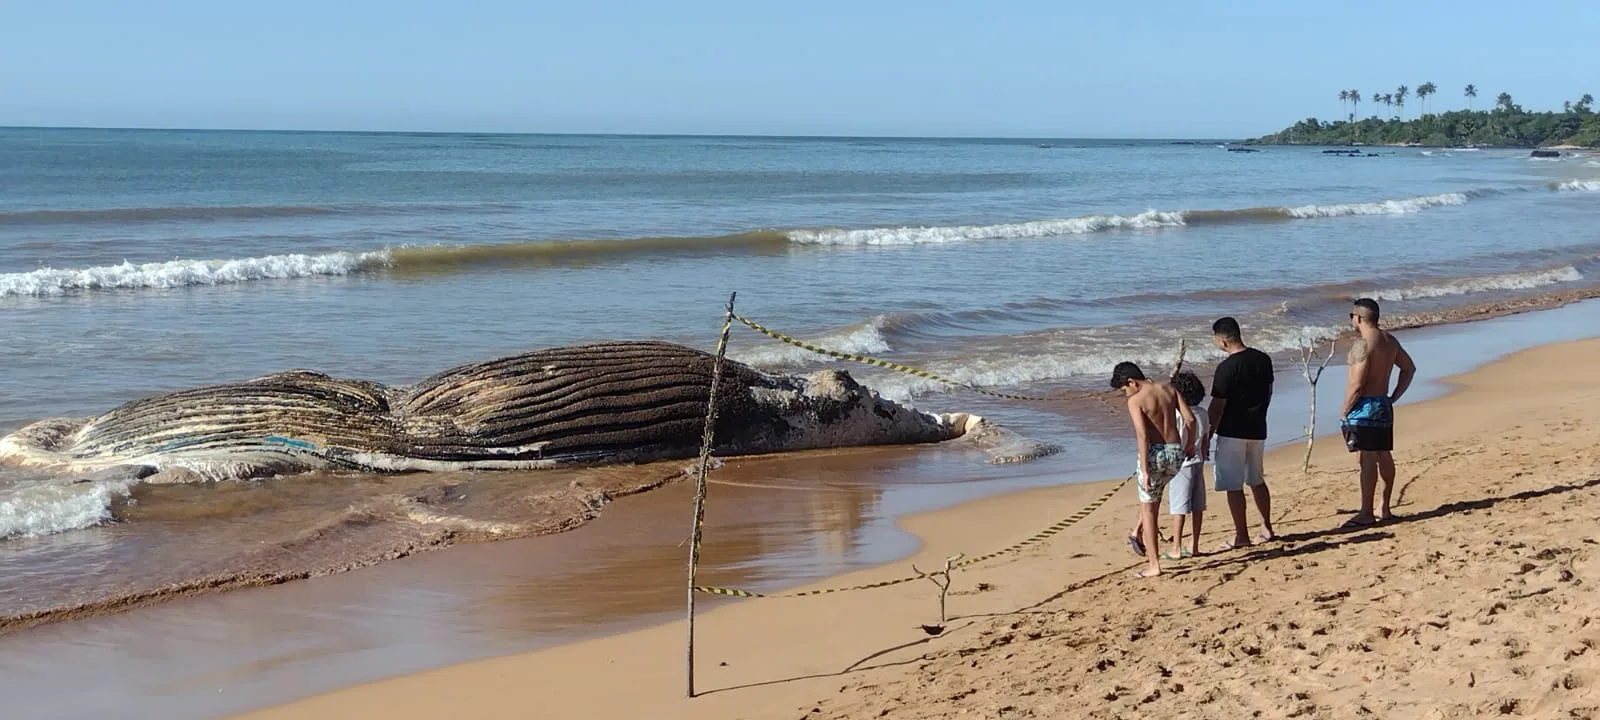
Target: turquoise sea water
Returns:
[134, 262]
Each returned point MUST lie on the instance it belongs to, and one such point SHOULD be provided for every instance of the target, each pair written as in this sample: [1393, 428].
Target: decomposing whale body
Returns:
[613, 402]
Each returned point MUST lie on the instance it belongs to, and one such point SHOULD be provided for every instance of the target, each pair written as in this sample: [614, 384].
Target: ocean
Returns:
[135, 262]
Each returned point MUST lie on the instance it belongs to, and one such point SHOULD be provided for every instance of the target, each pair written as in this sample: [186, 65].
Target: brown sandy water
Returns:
[773, 521]
[770, 522]
[181, 539]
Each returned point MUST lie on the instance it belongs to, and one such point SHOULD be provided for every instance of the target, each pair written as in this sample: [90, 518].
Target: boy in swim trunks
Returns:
[1368, 418]
[1187, 497]
[1164, 434]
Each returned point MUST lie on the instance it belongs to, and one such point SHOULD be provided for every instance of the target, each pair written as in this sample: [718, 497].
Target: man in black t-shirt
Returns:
[1241, 390]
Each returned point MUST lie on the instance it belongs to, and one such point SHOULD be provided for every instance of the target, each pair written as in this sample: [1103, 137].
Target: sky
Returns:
[1017, 68]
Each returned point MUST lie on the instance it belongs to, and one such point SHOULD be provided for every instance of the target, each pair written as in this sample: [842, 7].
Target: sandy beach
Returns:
[1491, 570]
[319, 524]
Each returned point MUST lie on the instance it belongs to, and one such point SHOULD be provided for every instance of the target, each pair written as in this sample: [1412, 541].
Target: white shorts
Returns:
[1186, 494]
[1238, 464]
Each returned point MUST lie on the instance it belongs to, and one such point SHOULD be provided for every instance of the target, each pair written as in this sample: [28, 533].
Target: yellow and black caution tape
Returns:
[887, 365]
[1034, 539]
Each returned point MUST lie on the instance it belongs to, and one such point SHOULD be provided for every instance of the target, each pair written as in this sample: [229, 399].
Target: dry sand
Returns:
[1482, 601]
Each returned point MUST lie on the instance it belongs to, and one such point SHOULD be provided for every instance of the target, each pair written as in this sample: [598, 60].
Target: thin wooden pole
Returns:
[1308, 352]
[700, 484]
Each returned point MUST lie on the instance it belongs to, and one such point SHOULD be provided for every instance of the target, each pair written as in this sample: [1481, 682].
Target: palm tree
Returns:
[1400, 99]
[1344, 97]
[1471, 92]
[1423, 91]
[1355, 104]
[1503, 101]
[1388, 99]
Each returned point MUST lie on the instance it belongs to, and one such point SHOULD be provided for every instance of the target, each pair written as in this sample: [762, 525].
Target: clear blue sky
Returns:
[1154, 68]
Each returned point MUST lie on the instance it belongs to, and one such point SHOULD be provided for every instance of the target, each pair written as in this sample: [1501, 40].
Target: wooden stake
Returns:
[706, 440]
[1308, 352]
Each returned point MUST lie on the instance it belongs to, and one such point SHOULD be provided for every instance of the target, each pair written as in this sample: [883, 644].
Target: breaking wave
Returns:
[30, 508]
[862, 338]
[185, 273]
[1149, 219]
[424, 260]
[1513, 281]
[1386, 207]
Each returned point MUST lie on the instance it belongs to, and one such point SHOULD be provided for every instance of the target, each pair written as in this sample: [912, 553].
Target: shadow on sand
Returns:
[1284, 546]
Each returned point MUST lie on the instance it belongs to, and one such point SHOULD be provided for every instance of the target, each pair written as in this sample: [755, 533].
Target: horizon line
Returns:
[818, 136]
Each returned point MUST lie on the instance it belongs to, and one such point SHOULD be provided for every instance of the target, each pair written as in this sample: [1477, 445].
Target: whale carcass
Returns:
[614, 402]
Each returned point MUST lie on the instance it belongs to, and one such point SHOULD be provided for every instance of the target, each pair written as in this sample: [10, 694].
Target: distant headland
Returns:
[1505, 124]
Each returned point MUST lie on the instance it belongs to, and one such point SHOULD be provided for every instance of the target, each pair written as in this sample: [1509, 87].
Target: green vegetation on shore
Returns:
[1507, 123]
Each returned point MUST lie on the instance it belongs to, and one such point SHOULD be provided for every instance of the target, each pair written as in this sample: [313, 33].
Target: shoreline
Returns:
[879, 634]
[597, 496]
[235, 652]
[1579, 150]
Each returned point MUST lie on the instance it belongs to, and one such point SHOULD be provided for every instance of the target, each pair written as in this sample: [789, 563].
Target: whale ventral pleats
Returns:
[625, 401]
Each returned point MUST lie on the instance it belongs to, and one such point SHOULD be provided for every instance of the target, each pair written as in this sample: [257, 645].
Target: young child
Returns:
[1188, 488]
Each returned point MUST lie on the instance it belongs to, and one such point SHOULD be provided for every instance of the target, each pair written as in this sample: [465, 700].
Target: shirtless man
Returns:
[1162, 448]
[1368, 417]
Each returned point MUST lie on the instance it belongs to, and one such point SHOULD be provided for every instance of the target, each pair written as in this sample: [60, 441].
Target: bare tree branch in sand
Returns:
[941, 578]
[1177, 365]
[1309, 351]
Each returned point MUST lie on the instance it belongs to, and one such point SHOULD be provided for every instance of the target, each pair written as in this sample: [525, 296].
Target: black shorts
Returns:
[1368, 438]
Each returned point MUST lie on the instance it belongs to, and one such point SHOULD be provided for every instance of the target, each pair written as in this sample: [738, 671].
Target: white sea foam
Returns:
[862, 338]
[934, 235]
[1385, 207]
[31, 508]
[1088, 224]
[1085, 356]
[1513, 281]
[1012, 373]
[1579, 186]
[185, 273]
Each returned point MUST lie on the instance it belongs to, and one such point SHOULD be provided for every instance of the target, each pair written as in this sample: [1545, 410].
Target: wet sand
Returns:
[175, 542]
[1479, 602]
[254, 648]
